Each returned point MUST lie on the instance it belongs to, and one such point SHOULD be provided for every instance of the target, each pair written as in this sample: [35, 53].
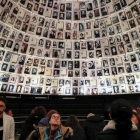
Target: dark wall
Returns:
[22, 105]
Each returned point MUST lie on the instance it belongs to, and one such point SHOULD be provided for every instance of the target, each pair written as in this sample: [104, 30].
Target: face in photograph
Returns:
[96, 12]
[111, 30]
[39, 52]
[19, 69]
[121, 48]
[26, 38]
[83, 14]
[21, 79]
[2, 42]
[4, 67]
[9, 44]
[56, 73]
[121, 69]
[61, 82]
[2, 52]
[98, 53]
[11, 19]
[47, 90]
[99, 73]
[27, 70]
[19, 88]
[12, 68]
[38, 31]
[91, 54]
[67, 91]
[68, 15]
[77, 55]
[133, 58]
[81, 90]
[49, 63]
[4, 16]
[68, 6]
[29, 6]
[41, 42]
[34, 71]
[77, 45]
[64, 64]
[3, 87]
[5, 33]
[4, 77]
[84, 73]
[68, 54]
[114, 70]
[70, 73]
[11, 88]
[42, 70]
[54, 91]
[67, 82]
[23, 48]
[70, 65]
[57, 64]
[18, 24]
[135, 67]
[77, 73]
[114, 50]
[22, 59]
[76, 16]
[134, 35]
[75, 91]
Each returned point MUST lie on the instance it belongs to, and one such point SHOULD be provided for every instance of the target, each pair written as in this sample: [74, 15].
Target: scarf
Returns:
[111, 125]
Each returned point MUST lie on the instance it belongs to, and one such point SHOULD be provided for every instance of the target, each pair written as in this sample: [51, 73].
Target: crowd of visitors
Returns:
[123, 124]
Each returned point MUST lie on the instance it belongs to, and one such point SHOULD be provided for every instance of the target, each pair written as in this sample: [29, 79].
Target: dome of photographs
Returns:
[69, 47]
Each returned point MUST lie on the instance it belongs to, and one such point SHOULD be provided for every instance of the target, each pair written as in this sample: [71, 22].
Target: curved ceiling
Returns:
[69, 47]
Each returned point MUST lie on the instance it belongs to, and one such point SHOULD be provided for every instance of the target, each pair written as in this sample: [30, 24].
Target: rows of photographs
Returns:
[68, 9]
[22, 19]
[38, 63]
[14, 83]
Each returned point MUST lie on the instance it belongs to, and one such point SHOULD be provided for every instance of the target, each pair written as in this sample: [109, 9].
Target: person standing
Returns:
[121, 127]
[7, 125]
[93, 125]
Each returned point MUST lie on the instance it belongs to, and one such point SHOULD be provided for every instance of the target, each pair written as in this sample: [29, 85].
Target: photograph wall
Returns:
[70, 47]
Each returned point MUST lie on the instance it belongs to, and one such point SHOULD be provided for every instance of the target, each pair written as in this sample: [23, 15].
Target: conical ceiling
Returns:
[70, 47]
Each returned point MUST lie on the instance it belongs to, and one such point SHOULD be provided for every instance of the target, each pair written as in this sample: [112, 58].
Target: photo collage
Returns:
[70, 47]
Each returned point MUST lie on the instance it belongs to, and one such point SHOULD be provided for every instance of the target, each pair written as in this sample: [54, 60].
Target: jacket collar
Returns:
[111, 125]
[64, 131]
[46, 135]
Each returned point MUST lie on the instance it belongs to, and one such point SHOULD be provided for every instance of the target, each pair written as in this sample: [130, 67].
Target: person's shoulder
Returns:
[136, 133]
[8, 117]
[66, 130]
[106, 132]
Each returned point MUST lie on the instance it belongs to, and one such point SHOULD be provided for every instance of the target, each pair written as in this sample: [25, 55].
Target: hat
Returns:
[90, 114]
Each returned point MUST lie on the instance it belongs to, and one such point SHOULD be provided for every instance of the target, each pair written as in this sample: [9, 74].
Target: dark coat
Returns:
[28, 126]
[79, 136]
[111, 134]
[92, 126]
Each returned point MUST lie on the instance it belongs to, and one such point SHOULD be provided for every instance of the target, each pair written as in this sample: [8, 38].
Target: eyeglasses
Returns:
[2, 106]
[56, 117]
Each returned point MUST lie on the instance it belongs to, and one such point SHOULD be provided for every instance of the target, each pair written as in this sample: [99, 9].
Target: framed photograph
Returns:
[4, 87]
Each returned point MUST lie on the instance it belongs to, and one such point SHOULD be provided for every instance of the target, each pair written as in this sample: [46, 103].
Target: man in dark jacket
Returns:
[93, 125]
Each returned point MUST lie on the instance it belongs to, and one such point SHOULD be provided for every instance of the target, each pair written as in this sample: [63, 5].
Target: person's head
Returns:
[9, 112]
[135, 118]
[49, 114]
[74, 123]
[39, 111]
[3, 102]
[55, 119]
[121, 113]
